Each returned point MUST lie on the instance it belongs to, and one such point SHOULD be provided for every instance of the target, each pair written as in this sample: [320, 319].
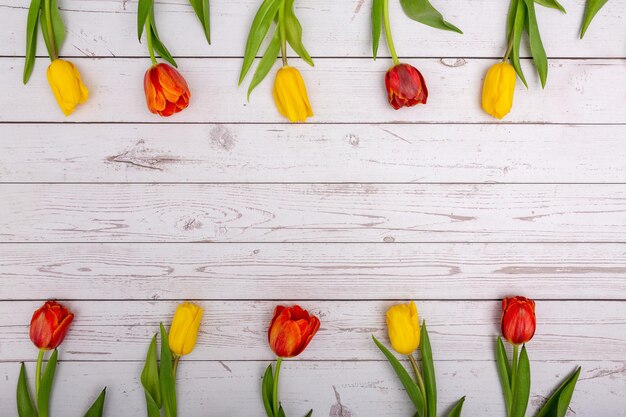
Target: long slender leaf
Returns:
[293, 32]
[201, 8]
[150, 381]
[267, 388]
[553, 4]
[166, 377]
[592, 7]
[159, 47]
[281, 412]
[424, 12]
[31, 38]
[58, 28]
[266, 63]
[428, 367]
[25, 407]
[458, 407]
[522, 386]
[510, 19]
[540, 59]
[377, 25]
[144, 8]
[43, 397]
[518, 28]
[558, 403]
[260, 25]
[97, 408]
[407, 382]
[309, 414]
[504, 371]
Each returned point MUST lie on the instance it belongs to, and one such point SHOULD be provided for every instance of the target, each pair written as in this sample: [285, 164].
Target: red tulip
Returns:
[518, 321]
[49, 325]
[405, 86]
[291, 330]
[166, 90]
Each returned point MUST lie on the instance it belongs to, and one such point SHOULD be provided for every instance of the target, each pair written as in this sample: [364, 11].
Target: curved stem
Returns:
[149, 36]
[175, 366]
[390, 44]
[53, 47]
[38, 371]
[283, 35]
[514, 372]
[275, 392]
[509, 48]
[418, 376]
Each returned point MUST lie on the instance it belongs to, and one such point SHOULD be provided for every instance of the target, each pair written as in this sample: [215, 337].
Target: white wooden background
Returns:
[122, 214]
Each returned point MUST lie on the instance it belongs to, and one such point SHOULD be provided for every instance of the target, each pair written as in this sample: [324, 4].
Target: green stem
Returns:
[53, 47]
[390, 44]
[275, 392]
[419, 379]
[149, 36]
[38, 371]
[509, 48]
[283, 35]
[175, 366]
[514, 374]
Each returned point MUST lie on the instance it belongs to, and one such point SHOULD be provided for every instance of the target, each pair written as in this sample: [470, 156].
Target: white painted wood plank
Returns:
[312, 213]
[331, 28]
[327, 153]
[360, 389]
[578, 91]
[236, 330]
[313, 271]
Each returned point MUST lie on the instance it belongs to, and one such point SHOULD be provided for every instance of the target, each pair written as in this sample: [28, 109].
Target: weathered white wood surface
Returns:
[318, 214]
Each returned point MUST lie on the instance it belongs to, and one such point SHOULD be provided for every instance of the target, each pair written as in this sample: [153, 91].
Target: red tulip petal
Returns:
[41, 327]
[284, 336]
[61, 331]
[312, 328]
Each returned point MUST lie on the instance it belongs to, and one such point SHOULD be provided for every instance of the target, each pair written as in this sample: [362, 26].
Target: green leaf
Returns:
[540, 59]
[31, 38]
[167, 378]
[518, 28]
[424, 12]
[293, 33]
[25, 407]
[553, 4]
[377, 25]
[428, 367]
[521, 392]
[409, 384]
[150, 381]
[592, 7]
[558, 403]
[510, 19]
[267, 388]
[58, 28]
[458, 407]
[43, 398]
[201, 7]
[266, 63]
[260, 25]
[309, 414]
[158, 46]
[97, 408]
[144, 9]
[504, 371]
[281, 412]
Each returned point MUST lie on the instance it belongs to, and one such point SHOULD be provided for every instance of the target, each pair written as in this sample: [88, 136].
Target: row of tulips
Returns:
[290, 332]
[167, 91]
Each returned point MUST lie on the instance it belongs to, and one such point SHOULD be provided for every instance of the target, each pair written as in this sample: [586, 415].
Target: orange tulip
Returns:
[291, 330]
[166, 90]
[518, 320]
[49, 325]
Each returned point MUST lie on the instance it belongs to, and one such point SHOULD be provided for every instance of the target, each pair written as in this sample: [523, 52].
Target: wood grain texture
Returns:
[327, 153]
[251, 271]
[331, 28]
[312, 213]
[340, 90]
[236, 330]
[341, 389]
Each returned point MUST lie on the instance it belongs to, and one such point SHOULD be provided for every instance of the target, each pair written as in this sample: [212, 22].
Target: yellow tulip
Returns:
[403, 327]
[68, 89]
[498, 89]
[184, 329]
[290, 95]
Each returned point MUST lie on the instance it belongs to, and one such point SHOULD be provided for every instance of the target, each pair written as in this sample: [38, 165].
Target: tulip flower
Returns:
[49, 325]
[184, 330]
[290, 95]
[498, 89]
[518, 320]
[166, 90]
[405, 86]
[403, 328]
[66, 84]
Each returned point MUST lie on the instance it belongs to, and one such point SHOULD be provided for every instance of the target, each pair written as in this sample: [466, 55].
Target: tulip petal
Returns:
[59, 333]
[285, 336]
